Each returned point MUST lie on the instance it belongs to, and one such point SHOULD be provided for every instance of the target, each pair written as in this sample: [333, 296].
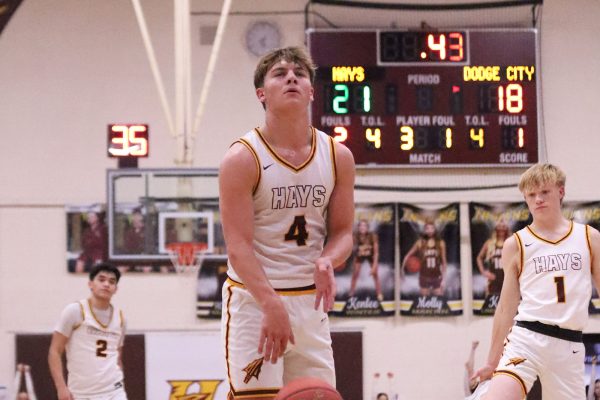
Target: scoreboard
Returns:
[397, 98]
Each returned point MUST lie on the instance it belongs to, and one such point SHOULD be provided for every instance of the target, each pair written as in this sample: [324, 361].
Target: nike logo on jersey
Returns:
[575, 351]
[528, 244]
[267, 166]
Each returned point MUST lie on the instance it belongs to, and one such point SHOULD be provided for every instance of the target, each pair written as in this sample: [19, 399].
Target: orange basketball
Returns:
[308, 389]
[413, 264]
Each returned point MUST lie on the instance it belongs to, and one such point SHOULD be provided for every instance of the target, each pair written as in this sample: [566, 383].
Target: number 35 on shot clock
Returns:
[128, 140]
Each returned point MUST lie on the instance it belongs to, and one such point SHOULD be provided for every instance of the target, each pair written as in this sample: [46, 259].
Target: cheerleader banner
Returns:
[491, 225]
[365, 285]
[430, 266]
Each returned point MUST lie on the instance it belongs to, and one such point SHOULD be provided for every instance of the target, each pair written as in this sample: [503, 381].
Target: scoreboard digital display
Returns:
[413, 98]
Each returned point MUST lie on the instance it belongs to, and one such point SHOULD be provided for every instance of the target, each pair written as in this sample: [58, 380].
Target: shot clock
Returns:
[128, 140]
[440, 98]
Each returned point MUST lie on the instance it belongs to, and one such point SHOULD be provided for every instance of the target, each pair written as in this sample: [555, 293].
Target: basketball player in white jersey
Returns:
[548, 271]
[92, 332]
[284, 188]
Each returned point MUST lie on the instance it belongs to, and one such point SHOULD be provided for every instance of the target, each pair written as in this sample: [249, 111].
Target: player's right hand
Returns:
[276, 331]
[64, 394]
[484, 373]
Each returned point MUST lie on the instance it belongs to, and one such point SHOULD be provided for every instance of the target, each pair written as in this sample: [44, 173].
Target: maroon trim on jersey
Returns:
[82, 316]
[313, 151]
[522, 258]
[514, 376]
[231, 390]
[263, 393]
[589, 244]
[256, 160]
[550, 241]
[333, 158]
[112, 313]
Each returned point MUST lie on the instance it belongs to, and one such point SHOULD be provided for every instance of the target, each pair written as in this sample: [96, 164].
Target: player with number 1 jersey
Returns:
[548, 271]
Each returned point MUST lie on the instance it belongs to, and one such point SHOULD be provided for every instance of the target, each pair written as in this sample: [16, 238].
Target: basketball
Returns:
[308, 389]
[413, 264]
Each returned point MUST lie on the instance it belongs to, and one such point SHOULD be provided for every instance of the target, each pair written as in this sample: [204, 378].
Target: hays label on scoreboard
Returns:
[444, 98]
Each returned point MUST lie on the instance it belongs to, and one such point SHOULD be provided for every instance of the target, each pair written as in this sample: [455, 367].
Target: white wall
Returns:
[70, 67]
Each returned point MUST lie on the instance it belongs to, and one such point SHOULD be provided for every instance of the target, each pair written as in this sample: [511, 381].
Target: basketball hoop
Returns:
[187, 257]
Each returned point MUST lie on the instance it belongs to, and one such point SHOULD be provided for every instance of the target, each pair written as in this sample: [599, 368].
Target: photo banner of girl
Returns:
[365, 285]
[430, 267]
[491, 225]
[87, 237]
[586, 213]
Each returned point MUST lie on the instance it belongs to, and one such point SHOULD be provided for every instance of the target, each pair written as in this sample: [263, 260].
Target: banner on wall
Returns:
[211, 277]
[185, 365]
[430, 260]
[365, 286]
[591, 341]
[490, 226]
[87, 237]
[586, 213]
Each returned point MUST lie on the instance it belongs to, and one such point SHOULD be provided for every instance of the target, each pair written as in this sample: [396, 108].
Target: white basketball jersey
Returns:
[93, 354]
[555, 278]
[290, 209]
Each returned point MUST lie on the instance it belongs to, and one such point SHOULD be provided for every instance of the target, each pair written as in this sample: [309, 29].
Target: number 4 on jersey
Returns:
[298, 231]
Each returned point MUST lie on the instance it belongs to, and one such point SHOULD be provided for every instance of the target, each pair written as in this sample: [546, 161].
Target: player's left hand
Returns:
[325, 284]
[483, 373]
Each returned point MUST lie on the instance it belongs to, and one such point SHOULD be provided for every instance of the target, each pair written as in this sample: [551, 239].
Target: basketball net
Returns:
[187, 257]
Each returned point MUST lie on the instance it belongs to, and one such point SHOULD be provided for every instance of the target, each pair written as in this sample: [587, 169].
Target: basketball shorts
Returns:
[559, 364]
[479, 391]
[241, 323]
[430, 282]
[118, 394]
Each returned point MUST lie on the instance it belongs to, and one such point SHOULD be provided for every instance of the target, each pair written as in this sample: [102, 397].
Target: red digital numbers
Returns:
[451, 49]
[128, 140]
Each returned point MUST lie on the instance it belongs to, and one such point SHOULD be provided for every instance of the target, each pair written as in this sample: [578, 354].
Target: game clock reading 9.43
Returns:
[398, 98]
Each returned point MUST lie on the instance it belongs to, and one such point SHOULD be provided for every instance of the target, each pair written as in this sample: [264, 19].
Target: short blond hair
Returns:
[294, 54]
[540, 174]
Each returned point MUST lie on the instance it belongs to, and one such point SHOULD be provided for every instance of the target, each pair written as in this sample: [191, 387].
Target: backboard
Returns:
[148, 209]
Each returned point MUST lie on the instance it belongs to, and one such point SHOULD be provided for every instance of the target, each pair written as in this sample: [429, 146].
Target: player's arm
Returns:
[121, 343]
[375, 251]
[340, 217]
[410, 253]
[443, 257]
[507, 306]
[70, 319]
[238, 175]
[57, 349]
[590, 394]
[469, 382]
[480, 259]
[594, 237]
